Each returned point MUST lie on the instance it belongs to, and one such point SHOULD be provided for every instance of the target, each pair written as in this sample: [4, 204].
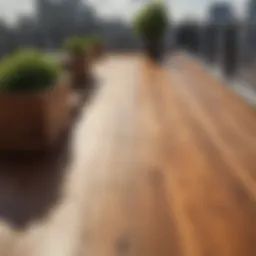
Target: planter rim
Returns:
[37, 93]
[61, 81]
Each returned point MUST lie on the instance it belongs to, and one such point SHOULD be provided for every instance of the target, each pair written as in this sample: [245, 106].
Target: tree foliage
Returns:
[151, 22]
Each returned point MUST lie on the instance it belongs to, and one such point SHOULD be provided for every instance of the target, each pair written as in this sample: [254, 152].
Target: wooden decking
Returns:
[163, 163]
[206, 160]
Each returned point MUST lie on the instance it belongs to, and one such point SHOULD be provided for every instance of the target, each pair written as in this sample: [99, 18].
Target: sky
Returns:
[178, 9]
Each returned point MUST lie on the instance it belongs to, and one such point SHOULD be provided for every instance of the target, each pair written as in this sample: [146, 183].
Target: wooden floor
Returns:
[207, 161]
[163, 163]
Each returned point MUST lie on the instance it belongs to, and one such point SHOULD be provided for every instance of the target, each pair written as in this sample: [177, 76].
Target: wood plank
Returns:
[161, 181]
[215, 209]
[162, 164]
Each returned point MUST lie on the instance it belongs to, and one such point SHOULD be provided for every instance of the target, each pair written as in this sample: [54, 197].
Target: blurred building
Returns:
[55, 20]
[5, 38]
[221, 13]
[251, 12]
[60, 19]
[248, 44]
[250, 31]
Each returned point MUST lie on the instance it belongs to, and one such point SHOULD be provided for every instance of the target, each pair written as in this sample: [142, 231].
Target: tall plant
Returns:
[150, 24]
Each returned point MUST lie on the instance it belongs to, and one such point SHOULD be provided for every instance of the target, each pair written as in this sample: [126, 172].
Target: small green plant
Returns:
[75, 45]
[151, 22]
[28, 71]
[92, 41]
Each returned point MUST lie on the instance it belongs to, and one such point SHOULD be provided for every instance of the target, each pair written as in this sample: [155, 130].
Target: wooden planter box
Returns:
[34, 121]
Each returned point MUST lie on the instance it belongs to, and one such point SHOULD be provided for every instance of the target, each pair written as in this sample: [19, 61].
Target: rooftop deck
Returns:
[163, 162]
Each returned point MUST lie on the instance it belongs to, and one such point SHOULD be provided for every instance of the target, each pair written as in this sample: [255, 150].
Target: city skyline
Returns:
[178, 9]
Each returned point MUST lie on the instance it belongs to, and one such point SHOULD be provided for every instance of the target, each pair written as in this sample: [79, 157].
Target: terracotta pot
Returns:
[98, 50]
[34, 121]
[154, 49]
[79, 68]
[95, 52]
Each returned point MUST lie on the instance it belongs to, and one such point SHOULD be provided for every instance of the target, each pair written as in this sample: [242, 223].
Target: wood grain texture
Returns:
[163, 163]
[207, 157]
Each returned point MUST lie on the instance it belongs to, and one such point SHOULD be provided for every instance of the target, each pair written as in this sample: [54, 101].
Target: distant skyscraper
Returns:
[249, 33]
[251, 12]
[221, 13]
[41, 8]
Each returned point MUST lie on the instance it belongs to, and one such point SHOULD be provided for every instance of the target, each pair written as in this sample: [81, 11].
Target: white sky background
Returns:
[10, 9]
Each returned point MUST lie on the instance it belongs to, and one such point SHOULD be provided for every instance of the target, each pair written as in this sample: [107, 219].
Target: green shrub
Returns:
[151, 22]
[28, 71]
[75, 45]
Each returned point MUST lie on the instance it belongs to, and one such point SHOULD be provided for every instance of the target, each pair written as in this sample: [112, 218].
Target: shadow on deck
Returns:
[31, 183]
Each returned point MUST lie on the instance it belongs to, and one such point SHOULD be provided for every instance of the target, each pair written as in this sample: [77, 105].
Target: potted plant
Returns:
[150, 25]
[34, 103]
[78, 62]
[94, 47]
